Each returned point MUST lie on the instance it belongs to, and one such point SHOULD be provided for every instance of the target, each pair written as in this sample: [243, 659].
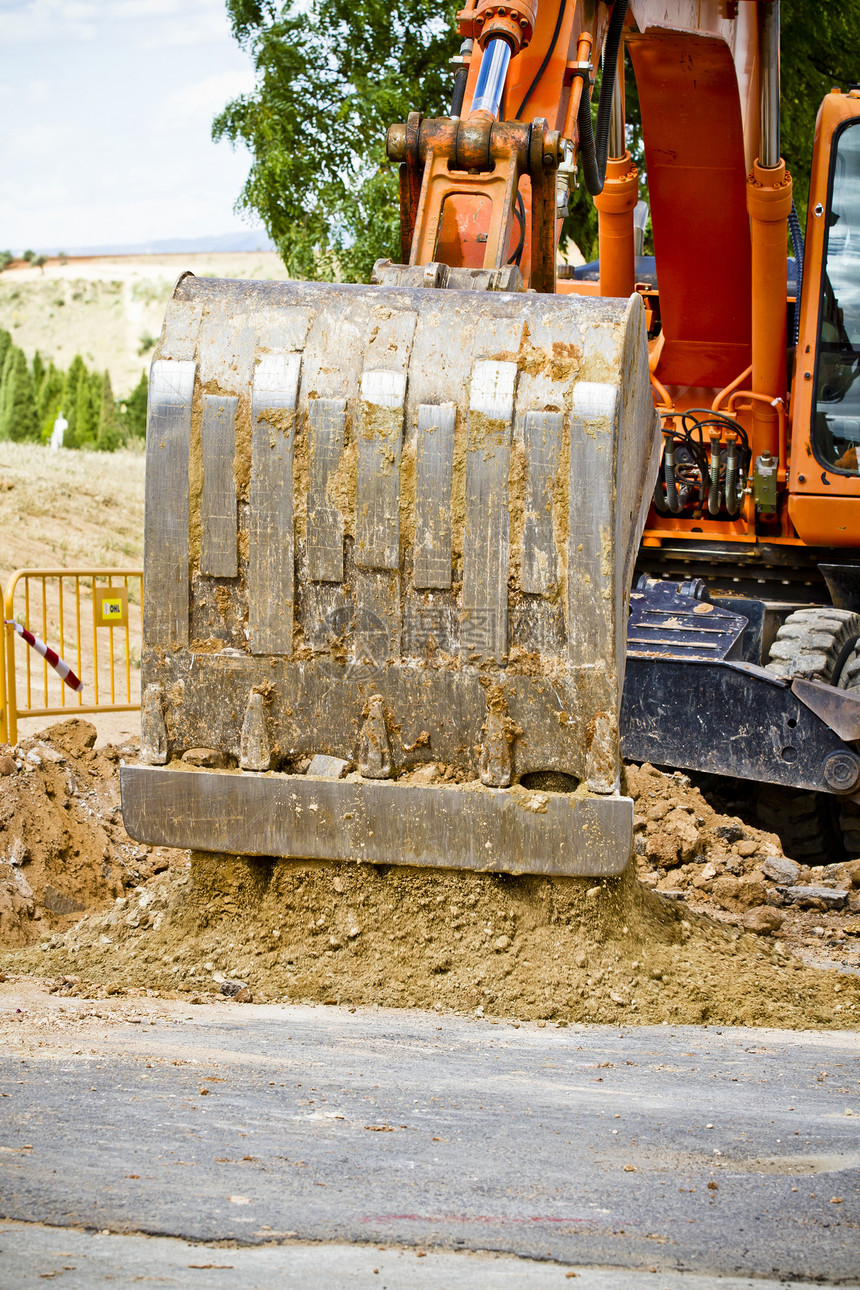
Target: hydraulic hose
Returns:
[797, 246]
[714, 489]
[732, 500]
[459, 91]
[673, 499]
[594, 142]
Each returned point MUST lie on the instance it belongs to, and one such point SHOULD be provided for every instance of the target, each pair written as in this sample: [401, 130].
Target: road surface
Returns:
[329, 1147]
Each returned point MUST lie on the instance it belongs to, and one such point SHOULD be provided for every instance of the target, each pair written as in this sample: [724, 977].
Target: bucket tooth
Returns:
[255, 751]
[374, 750]
[602, 764]
[153, 727]
[495, 764]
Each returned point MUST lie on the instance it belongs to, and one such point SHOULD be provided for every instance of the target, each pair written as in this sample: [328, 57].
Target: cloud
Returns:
[38, 91]
[207, 25]
[114, 144]
[38, 21]
[38, 143]
[167, 22]
[206, 97]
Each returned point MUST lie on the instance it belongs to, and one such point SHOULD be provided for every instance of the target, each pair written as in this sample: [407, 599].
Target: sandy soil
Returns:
[109, 309]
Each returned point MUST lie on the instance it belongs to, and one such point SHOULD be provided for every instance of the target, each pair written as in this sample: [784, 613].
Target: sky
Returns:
[107, 108]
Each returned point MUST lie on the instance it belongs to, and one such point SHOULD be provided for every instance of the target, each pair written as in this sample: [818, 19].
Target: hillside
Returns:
[109, 309]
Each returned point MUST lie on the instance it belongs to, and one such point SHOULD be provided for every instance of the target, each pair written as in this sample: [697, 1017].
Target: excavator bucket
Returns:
[390, 537]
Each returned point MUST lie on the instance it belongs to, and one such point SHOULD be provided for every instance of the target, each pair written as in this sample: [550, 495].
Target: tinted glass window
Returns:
[836, 415]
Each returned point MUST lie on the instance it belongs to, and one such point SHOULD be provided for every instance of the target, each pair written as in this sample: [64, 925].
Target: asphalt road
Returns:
[684, 1156]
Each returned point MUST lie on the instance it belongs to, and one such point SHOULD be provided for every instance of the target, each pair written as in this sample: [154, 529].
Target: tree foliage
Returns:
[49, 399]
[18, 416]
[332, 76]
[76, 377]
[820, 50]
[132, 412]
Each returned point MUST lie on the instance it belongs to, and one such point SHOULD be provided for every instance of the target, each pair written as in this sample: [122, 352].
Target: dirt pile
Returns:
[63, 849]
[567, 950]
[725, 866]
[620, 950]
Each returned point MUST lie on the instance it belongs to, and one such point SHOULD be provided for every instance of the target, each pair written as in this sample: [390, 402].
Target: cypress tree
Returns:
[18, 416]
[5, 376]
[76, 374]
[5, 369]
[108, 432]
[49, 400]
[86, 414]
[38, 369]
[5, 346]
[134, 410]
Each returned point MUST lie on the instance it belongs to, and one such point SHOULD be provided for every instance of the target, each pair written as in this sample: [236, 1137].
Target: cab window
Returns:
[836, 411]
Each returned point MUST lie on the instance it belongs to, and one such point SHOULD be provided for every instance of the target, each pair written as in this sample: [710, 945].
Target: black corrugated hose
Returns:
[459, 91]
[594, 143]
[797, 247]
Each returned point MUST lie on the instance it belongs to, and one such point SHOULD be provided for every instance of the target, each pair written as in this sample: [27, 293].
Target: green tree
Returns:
[820, 50]
[37, 367]
[108, 434]
[5, 346]
[133, 411]
[18, 417]
[7, 357]
[331, 77]
[28, 256]
[76, 376]
[87, 404]
[49, 400]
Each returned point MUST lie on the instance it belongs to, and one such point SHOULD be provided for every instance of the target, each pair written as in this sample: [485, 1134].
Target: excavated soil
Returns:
[718, 948]
[63, 849]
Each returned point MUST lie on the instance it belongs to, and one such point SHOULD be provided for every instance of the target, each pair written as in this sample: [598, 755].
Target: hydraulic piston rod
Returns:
[491, 77]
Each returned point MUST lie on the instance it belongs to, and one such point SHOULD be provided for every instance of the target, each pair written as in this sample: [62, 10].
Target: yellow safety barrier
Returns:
[91, 618]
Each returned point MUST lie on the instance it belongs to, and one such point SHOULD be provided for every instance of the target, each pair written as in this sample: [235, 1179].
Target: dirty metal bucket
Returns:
[391, 527]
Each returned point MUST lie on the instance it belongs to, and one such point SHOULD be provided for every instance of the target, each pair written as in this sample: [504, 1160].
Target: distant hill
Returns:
[240, 240]
[110, 308]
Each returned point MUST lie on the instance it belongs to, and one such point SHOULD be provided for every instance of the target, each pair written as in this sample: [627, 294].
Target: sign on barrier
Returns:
[111, 607]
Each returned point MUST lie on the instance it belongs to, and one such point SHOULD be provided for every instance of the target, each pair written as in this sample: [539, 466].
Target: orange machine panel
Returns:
[694, 154]
[826, 521]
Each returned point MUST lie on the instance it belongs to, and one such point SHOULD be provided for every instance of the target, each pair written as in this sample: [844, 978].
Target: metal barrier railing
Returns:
[92, 618]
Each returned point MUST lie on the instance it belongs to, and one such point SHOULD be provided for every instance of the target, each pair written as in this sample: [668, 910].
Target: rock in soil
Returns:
[816, 897]
[781, 870]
